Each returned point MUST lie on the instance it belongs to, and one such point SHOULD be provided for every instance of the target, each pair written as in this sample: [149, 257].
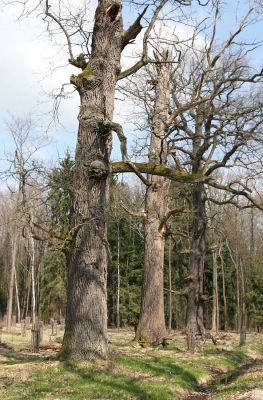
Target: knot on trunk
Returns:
[98, 169]
[156, 186]
[84, 82]
[79, 62]
[89, 77]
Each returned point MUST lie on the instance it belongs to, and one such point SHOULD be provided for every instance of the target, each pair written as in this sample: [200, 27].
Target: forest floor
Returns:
[223, 371]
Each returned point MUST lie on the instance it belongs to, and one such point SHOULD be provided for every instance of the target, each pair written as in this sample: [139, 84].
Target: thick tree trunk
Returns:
[86, 317]
[151, 327]
[194, 314]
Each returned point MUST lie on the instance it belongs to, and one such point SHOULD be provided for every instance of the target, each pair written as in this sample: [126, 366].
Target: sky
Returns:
[28, 67]
[28, 77]
[27, 60]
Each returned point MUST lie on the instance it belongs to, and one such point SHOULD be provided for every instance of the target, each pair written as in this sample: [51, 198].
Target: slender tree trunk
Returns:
[151, 327]
[170, 283]
[224, 290]
[194, 314]
[33, 283]
[11, 283]
[243, 319]
[118, 276]
[236, 261]
[17, 300]
[238, 308]
[86, 316]
[215, 310]
[28, 294]
[252, 239]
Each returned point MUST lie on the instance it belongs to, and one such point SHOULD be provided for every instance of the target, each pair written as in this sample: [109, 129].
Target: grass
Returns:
[130, 372]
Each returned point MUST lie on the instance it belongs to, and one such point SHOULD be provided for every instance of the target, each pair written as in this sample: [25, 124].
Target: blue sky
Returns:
[26, 62]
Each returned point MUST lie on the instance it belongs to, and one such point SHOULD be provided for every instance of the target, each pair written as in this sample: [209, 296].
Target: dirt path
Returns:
[256, 394]
[222, 382]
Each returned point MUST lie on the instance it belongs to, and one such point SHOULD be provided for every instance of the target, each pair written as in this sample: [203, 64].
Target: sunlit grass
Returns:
[130, 372]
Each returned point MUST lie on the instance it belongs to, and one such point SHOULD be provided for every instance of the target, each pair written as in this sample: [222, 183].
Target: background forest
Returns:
[234, 255]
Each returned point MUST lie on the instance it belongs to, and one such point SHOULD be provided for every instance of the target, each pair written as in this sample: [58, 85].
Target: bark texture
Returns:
[194, 316]
[194, 313]
[151, 327]
[86, 316]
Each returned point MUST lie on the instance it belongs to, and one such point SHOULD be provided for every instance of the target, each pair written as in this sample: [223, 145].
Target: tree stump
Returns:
[35, 340]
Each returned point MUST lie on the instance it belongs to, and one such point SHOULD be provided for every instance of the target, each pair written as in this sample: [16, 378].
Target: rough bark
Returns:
[86, 316]
[194, 315]
[151, 327]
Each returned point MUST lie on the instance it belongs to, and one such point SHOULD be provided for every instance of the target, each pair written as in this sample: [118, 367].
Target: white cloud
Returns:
[27, 61]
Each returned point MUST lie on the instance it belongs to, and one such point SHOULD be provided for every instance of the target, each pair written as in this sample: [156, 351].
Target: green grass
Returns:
[129, 373]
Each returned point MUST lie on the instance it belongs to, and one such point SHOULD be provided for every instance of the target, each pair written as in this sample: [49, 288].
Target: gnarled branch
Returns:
[123, 141]
[144, 58]
[159, 170]
[133, 31]
[138, 214]
[168, 215]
